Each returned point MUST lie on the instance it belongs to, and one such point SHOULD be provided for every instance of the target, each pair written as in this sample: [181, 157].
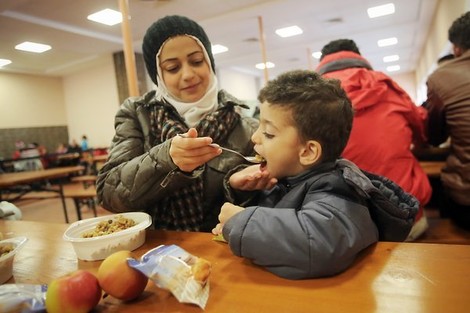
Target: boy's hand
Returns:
[252, 178]
[226, 212]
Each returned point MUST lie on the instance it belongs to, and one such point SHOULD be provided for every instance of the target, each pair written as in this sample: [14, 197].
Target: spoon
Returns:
[249, 159]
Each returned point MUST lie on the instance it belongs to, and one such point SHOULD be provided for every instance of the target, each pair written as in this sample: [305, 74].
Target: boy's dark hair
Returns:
[459, 32]
[320, 108]
[339, 45]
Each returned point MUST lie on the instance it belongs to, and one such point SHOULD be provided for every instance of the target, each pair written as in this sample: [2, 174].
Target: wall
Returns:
[407, 82]
[243, 86]
[437, 43]
[31, 101]
[31, 109]
[91, 102]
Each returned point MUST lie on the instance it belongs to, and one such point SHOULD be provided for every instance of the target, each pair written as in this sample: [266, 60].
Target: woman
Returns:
[176, 179]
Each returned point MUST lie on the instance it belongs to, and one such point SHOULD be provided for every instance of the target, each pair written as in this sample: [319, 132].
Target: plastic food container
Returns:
[98, 248]
[6, 261]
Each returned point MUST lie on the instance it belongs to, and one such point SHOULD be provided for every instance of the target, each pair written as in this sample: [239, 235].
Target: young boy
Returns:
[309, 212]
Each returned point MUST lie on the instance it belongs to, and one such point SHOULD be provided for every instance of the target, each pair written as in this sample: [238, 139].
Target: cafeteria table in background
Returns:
[35, 181]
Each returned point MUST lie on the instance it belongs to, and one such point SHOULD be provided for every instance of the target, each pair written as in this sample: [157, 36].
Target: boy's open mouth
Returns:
[261, 160]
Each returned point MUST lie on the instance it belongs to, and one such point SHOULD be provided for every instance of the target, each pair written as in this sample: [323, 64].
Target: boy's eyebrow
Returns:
[268, 123]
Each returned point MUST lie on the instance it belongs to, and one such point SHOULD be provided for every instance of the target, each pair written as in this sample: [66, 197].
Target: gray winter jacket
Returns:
[316, 223]
[139, 172]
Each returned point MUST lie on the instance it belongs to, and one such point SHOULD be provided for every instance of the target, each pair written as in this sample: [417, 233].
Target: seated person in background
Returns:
[386, 123]
[84, 143]
[448, 106]
[74, 147]
[176, 179]
[61, 148]
[307, 212]
[30, 159]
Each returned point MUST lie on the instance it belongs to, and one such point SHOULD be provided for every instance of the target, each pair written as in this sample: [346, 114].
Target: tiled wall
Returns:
[49, 137]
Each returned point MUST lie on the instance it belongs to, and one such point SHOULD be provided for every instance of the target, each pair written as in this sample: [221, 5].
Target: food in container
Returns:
[8, 250]
[100, 246]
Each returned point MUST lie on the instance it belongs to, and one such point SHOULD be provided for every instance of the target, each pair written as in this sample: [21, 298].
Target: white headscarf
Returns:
[192, 112]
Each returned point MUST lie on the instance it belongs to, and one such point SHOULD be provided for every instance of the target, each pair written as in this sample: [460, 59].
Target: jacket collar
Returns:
[316, 170]
[342, 60]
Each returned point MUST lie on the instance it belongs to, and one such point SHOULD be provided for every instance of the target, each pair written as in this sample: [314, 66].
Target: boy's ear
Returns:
[457, 50]
[311, 153]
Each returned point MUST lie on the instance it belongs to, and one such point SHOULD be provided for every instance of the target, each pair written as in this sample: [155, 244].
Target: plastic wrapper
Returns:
[183, 274]
[22, 298]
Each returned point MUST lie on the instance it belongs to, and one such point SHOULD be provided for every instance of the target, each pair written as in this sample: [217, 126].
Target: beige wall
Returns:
[31, 101]
[91, 101]
[437, 43]
[243, 86]
[408, 83]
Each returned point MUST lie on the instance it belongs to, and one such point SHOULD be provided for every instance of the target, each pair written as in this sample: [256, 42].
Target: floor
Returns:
[50, 210]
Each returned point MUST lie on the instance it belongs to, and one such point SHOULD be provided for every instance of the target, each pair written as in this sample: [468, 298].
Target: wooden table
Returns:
[9, 180]
[433, 168]
[98, 159]
[387, 277]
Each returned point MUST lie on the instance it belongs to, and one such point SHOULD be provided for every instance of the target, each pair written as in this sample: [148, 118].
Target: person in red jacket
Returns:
[386, 123]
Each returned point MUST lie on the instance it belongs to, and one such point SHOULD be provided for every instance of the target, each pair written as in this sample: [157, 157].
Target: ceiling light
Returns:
[32, 47]
[4, 62]
[393, 68]
[106, 16]
[316, 54]
[289, 31]
[218, 49]
[261, 66]
[381, 10]
[391, 58]
[387, 42]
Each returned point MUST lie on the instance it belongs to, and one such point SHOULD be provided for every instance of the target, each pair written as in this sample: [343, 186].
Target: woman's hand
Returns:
[252, 178]
[189, 151]
[226, 212]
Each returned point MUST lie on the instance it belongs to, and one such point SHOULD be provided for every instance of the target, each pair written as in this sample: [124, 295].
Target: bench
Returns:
[87, 180]
[81, 195]
[444, 231]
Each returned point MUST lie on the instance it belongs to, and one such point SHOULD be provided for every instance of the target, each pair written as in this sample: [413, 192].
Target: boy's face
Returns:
[278, 141]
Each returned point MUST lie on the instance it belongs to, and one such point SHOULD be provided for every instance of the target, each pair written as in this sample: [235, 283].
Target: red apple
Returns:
[77, 292]
[120, 280]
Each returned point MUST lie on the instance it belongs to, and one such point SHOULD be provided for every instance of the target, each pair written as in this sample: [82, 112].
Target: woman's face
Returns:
[185, 71]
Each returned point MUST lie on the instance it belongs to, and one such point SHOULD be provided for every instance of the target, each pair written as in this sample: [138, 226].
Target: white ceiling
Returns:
[77, 41]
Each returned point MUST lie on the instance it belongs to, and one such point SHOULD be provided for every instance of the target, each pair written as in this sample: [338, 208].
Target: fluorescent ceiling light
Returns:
[316, 54]
[4, 62]
[381, 10]
[219, 49]
[393, 68]
[32, 47]
[391, 58]
[289, 31]
[261, 66]
[387, 42]
[106, 16]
